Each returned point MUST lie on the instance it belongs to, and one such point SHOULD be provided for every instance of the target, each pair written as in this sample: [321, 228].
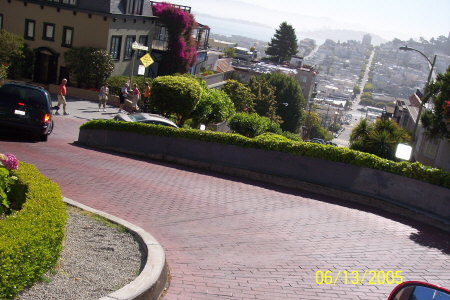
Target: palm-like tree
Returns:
[380, 139]
[381, 143]
[393, 129]
[361, 131]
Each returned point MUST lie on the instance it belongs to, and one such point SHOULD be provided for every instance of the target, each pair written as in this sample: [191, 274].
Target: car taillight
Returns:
[47, 118]
[21, 104]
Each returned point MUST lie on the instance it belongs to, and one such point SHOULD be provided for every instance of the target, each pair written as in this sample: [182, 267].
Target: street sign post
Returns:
[136, 46]
[147, 60]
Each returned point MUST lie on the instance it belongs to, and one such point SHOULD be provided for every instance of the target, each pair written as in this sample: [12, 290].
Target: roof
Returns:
[224, 65]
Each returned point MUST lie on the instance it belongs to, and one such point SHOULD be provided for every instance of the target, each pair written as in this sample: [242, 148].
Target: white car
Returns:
[145, 118]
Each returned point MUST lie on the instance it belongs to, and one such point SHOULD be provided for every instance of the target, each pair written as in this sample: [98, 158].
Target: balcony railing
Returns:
[182, 7]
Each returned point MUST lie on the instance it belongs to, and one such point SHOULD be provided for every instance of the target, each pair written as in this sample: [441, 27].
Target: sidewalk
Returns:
[85, 109]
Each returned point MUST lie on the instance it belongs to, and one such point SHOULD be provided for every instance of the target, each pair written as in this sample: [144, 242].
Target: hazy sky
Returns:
[388, 18]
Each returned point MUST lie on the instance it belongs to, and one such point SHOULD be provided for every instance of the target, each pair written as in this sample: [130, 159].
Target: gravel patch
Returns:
[96, 260]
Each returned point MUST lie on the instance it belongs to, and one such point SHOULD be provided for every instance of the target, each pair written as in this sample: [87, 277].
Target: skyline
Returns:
[387, 18]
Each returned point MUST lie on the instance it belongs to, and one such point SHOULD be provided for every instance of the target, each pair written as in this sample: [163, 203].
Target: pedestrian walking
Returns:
[62, 96]
[122, 96]
[103, 96]
[135, 98]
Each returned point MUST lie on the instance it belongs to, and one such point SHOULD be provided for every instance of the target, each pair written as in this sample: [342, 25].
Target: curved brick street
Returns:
[231, 239]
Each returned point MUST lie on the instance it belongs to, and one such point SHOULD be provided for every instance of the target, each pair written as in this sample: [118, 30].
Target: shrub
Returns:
[175, 95]
[214, 106]
[327, 152]
[251, 125]
[31, 239]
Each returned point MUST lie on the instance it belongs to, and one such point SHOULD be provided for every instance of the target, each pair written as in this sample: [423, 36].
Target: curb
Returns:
[153, 278]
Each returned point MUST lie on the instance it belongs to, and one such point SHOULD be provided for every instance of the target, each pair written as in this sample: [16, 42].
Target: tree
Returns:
[177, 95]
[241, 96]
[380, 138]
[265, 101]
[89, 66]
[284, 44]
[11, 47]
[102, 66]
[368, 88]
[181, 53]
[11, 52]
[437, 121]
[361, 131]
[214, 106]
[230, 52]
[314, 129]
[290, 101]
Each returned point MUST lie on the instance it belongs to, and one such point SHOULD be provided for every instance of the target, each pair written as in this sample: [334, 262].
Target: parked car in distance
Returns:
[145, 118]
[321, 141]
[27, 108]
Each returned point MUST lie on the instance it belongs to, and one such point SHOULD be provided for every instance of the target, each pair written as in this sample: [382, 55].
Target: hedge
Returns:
[31, 238]
[337, 154]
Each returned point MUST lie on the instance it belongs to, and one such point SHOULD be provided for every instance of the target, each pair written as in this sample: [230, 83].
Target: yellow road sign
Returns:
[147, 60]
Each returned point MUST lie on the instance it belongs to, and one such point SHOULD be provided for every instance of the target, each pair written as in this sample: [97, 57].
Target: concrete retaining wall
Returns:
[388, 189]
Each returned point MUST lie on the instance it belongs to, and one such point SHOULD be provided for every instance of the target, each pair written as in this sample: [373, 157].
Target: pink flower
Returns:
[9, 161]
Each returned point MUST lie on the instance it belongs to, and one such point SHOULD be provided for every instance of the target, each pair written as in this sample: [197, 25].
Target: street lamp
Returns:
[431, 66]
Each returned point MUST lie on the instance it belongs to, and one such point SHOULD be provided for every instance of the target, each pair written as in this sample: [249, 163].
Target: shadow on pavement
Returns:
[427, 235]
[18, 136]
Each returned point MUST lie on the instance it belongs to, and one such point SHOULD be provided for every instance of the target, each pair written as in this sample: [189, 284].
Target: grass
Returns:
[98, 218]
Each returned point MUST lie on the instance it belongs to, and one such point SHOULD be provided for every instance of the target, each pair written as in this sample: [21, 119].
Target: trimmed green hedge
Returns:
[31, 239]
[327, 152]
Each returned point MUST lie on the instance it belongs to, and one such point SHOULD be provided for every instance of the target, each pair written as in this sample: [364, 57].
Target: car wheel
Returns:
[43, 137]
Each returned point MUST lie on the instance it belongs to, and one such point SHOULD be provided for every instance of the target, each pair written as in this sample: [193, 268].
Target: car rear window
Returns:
[13, 94]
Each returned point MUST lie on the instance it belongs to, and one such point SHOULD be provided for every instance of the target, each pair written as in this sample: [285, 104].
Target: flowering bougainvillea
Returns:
[182, 53]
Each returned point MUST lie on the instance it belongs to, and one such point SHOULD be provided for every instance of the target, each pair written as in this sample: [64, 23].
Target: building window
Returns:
[160, 38]
[116, 41]
[67, 36]
[49, 32]
[29, 29]
[1, 21]
[128, 50]
[134, 7]
[143, 40]
[67, 2]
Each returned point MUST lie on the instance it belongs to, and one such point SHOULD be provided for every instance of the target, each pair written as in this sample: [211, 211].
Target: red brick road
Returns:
[231, 239]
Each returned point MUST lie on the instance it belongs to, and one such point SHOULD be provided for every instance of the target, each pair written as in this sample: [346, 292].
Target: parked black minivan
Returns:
[27, 108]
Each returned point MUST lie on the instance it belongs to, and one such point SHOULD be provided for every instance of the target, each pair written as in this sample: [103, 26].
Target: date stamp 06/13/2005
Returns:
[372, 277]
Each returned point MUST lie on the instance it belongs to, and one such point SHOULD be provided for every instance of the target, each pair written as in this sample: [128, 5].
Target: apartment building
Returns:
[429, 151]
[51, 27]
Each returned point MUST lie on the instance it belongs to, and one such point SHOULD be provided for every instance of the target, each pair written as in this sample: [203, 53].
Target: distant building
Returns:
[305, 76]
[367, 40]
[220, 45]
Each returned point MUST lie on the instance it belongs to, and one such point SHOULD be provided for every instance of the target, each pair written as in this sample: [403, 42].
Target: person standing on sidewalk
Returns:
[135, 98]
[146, 98]
[62, 96]
[103, 96]
[122, 96]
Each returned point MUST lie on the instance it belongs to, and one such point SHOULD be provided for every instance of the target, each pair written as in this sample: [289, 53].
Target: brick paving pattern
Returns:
[227, 238]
